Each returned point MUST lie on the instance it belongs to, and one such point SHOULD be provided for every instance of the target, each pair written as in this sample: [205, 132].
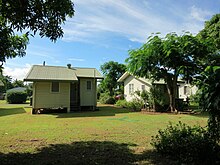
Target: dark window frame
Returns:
[55, 87]
[89, 85]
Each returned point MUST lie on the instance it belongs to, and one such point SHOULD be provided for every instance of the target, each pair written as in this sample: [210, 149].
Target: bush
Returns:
[105, 98]
[122, 103]
[16, 97]
[196, 97]
[135, 104]
[191, 145]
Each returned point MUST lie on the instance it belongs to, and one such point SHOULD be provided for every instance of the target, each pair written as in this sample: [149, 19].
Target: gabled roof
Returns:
[126, 75]
[88, 73]
[59, 73]
[123, 77]
[144, 80]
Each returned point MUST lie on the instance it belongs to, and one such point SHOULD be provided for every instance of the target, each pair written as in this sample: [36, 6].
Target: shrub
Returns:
[191, 145]
[16, 97]
[135, 104]
[122, 103]
[105, 98]
[196, 97]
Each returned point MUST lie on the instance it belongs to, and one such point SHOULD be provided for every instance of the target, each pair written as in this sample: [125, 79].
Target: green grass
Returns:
[108, 136]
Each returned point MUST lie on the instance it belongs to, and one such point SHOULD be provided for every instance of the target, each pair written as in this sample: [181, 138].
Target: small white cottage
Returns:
[68, 87]
[132, 84]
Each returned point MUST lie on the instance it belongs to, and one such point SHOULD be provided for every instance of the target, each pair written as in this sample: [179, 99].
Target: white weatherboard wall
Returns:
[186, 90]
[87, 97]
[137, 86]
[44, 98]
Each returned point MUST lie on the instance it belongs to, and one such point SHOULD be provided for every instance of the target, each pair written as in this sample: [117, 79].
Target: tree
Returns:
[211, 30]
[168, 58]
[209, 84]
[112, 71]
[18, 83]
[7, 81]
[209, 79]
[44, 17]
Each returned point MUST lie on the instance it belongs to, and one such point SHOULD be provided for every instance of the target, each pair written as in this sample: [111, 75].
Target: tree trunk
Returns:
[171, 88]
[174, 92]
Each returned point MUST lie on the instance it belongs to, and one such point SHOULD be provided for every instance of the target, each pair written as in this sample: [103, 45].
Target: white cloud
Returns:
[199, 14]
[17, 72]
[134, 20]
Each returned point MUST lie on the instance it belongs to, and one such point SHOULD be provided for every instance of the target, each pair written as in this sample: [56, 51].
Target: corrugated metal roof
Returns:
[41, 73]
[126, 74]
[87, 72]
[59, 73]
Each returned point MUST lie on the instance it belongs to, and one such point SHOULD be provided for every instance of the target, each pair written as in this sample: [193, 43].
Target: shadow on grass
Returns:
[102, 111]
[85, 152]
[11, 111]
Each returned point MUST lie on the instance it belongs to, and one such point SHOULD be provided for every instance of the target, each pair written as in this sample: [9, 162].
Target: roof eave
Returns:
[97, 77]
[46, 80]
[123, 77]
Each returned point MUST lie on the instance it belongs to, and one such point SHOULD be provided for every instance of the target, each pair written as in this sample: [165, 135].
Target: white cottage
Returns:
[68, 87]
[132, 84]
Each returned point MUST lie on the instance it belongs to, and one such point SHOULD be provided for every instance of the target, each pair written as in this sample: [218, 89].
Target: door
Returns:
[74, 96]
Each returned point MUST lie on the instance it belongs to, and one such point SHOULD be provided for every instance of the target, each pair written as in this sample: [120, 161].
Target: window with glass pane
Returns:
[89, 85]
[55, 87]
[143, 87]
[131, 88]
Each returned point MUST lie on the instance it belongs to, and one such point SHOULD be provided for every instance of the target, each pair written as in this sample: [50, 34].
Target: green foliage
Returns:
[11, 45]
[135, 105]
[155, 59]
[7, 81]
[18, 83]
[42, 17]
[9, 84]
[16, 97]
[159, 95]
[209, 85]
[112, 71]
[145, 95]
[157, 98]
[181, 105]
[196, 97]
[105, 98]
[191, 145]
[29, 92]
[122, 103]
[211, 30]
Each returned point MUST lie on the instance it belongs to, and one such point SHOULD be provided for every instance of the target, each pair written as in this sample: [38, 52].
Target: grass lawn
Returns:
[108, 136]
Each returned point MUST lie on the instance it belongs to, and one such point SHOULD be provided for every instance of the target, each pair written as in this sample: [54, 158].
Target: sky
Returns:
[105, 30]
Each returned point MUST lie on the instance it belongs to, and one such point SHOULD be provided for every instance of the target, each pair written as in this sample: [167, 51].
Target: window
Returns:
[186, 90]
[55, 87]
[89, 85]
[131, 88]
[143, 87]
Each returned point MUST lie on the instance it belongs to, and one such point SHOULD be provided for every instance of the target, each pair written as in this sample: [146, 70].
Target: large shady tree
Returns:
[112, 71]
[169, 58]
[29, 17]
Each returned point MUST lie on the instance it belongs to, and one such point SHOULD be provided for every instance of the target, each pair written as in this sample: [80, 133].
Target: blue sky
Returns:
[104, 30]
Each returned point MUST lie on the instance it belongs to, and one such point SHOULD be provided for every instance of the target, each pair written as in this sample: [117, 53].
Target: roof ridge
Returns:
[65, 67]
[50, 66]
[82, 68]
